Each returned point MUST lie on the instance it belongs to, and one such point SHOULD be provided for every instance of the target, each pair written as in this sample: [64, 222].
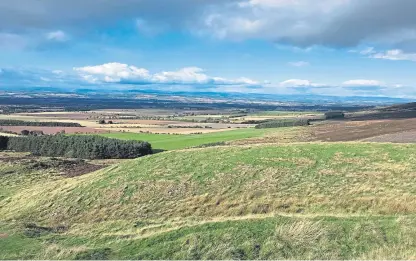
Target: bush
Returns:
[83, 147]
[3, 142]
[213, 144]
[38, 123]
[283, 123]
[334, 115]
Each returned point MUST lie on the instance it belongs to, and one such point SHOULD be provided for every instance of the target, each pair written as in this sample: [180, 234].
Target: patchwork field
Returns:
[137, 121]
[172, 142]
[293, 201]
[325, 191]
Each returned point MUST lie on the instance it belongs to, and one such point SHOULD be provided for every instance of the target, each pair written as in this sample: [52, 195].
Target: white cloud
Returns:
[58, 36]
[115, 72]
[361, 82]
[295, 82]
[300, 83]
[123, 73]
[299, 64]
[395, 55]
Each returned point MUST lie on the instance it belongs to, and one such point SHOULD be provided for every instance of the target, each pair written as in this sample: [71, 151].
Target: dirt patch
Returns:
[65, 167]
[401, 137]
[361, 130]
[76, 170]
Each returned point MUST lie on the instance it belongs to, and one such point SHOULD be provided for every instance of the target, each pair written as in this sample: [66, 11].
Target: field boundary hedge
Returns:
[283, 123]
[38, 123]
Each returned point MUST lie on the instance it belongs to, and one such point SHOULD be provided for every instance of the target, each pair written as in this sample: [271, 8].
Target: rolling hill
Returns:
[293, 201]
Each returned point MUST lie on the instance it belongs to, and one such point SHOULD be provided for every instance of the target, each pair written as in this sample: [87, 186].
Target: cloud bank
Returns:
[129, 74]
[336, 23]
[122, 76]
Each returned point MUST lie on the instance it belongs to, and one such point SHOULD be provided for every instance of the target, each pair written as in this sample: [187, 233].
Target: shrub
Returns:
[25, 132]
[283, 123]
[213, 144]
[3, 142]
[83, 146]
[334, 115]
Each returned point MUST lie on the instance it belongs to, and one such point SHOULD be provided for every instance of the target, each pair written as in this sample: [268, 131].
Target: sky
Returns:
[326, 47]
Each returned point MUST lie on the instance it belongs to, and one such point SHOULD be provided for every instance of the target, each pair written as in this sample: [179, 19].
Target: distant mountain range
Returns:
[158, 94]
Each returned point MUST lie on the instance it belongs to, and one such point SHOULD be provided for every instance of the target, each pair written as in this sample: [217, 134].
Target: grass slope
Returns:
[172, 142]
[300, 201]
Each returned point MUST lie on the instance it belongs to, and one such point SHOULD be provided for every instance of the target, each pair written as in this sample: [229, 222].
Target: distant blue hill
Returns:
[129, 93]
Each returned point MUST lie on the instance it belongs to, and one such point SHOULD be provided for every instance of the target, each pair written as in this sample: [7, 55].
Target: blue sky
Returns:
[327, 47]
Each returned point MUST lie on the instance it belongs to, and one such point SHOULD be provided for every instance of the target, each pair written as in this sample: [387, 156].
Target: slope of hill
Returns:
[297, 201]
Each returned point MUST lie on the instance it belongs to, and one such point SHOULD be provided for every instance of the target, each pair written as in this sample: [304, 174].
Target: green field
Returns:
[172, 142]
[293, 201]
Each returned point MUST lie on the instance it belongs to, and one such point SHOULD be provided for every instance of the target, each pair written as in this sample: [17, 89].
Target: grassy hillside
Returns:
[299, 201]
[171, 142]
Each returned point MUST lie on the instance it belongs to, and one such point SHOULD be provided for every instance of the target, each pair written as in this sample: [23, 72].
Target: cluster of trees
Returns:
[334, 115]
[33, 133]
[83, 146]
[3, 142]
[38, 123]
[283, 123]
[254, 121]
[189, 127]
[102, 121]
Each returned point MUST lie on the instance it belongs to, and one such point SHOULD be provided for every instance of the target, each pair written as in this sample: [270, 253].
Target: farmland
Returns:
[171, 142]
[217, 188]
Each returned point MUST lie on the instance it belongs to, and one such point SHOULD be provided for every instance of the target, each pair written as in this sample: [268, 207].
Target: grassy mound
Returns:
[302, 201]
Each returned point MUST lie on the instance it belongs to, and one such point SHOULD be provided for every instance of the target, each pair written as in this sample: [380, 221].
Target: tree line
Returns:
[283, 123]
[38, 123]
[82, 146]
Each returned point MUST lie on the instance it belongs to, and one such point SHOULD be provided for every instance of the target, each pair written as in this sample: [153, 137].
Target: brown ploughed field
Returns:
[395, 130]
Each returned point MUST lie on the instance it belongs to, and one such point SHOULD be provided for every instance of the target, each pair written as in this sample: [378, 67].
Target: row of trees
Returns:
[334, 115]
[38, 123]
[283, 123]
[82, 146]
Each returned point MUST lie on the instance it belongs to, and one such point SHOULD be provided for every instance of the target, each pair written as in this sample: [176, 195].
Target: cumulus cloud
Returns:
[294, 83]
[355, 87]
[129, 74]
[395, 55]
[116, 76]
[363, 83]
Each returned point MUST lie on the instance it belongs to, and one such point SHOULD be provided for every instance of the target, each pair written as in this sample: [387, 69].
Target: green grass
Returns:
[294, 201]
[172, 142]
